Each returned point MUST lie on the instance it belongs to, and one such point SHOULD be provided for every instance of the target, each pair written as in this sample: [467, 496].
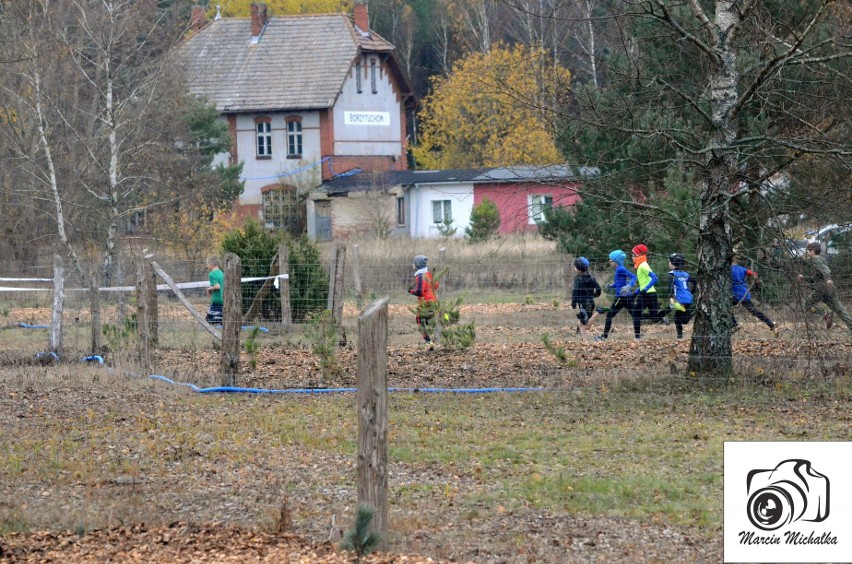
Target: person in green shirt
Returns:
[818, 277]
[217, 283]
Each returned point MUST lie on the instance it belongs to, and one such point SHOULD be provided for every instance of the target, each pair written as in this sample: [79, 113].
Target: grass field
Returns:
[618, 457]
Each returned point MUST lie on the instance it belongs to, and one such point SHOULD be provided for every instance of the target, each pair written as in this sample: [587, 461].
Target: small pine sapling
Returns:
[361, 539]
[562, 357]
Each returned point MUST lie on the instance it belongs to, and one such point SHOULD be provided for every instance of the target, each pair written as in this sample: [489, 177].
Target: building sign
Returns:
[366, 118]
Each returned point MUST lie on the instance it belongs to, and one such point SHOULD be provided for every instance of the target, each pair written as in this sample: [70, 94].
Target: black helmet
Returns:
[677, 260]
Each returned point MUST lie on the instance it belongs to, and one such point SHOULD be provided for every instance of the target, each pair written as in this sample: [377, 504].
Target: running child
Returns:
[682, 289]
[742, 295]
[645, 296]
[586, 289]
[622, 285]
[818, 277]
[424, 288]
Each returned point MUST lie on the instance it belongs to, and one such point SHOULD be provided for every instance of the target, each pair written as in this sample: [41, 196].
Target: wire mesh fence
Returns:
[513, 298]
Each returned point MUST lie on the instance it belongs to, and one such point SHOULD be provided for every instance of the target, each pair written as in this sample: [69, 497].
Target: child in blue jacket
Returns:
[622, 286]
[742, 295]
[681, 290]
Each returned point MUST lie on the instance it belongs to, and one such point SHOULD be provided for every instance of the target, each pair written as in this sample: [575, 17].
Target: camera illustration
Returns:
[791, 491]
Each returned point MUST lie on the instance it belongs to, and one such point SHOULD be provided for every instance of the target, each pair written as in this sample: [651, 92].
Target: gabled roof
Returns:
[300, 62]
[365, 181]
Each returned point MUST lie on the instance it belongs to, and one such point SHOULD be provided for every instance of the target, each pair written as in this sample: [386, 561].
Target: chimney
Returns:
[361, 17]
[197, 18]
[258, 20]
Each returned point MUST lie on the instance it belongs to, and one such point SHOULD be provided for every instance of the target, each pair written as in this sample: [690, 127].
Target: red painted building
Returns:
[522, 205]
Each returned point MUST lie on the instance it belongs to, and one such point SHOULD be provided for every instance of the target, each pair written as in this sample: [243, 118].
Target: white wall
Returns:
[373, 139]
[261, 172]
[421, 197]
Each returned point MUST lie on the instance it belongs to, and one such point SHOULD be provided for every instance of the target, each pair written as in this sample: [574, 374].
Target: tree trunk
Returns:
[710, 349]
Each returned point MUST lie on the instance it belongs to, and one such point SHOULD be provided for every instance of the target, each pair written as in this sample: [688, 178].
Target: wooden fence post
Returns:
[373, 411]
[153, 312]
[356, 275]
[284, 284]
[332, 269]
[95, 297]
[337, 299]
[232, 319]
[58, 304]
[142, 307]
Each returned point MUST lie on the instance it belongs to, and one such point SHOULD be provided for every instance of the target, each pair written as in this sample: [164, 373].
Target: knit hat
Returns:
[581, 264]
[677, 260]
[420, 262]
[640, 249]
[618, 257]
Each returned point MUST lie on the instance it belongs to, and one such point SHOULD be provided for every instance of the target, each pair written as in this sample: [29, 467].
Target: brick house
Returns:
[305, 98]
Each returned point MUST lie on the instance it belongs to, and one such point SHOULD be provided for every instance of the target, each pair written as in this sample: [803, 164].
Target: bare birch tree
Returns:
[100, 109]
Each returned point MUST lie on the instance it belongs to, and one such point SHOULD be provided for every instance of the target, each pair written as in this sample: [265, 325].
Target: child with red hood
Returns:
[424, 288]
[646, 294]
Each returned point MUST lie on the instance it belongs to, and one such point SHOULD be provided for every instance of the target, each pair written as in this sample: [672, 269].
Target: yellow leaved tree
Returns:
[242, 8]
[491, 111]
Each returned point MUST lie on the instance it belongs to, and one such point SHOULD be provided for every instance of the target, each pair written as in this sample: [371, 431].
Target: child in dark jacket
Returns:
[622, 285]
[424, 288]
[586, 289]
[681, 291]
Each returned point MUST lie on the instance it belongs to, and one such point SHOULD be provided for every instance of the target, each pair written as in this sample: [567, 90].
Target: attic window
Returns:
[263, 128]
[358, 78]
[373, 76]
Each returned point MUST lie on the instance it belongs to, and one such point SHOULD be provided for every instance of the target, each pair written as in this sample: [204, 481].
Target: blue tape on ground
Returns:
[309, 391]
[28, 326]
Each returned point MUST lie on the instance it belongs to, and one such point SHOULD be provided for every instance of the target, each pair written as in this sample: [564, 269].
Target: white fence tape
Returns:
[160, 287]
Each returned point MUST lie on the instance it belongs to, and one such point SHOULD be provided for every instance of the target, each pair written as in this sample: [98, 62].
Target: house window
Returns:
[264, 138]
[373, 77]
[358, 78]
[537, 204]
[294, 138]
[282, 209]
[400, 211]
[442, 211]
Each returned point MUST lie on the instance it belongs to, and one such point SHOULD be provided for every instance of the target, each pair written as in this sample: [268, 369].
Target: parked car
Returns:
[834, 238]
[791, 247]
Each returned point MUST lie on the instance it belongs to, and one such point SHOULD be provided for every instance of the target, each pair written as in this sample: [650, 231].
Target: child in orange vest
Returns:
[424, 288]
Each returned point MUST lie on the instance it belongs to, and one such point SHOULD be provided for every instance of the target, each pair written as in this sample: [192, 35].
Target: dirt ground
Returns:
[232, 517]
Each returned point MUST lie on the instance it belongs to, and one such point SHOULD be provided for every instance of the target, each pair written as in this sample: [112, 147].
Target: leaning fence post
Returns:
[58, 303]
[95, 296]
[284, 284]
[232, 319]
[373, 411]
